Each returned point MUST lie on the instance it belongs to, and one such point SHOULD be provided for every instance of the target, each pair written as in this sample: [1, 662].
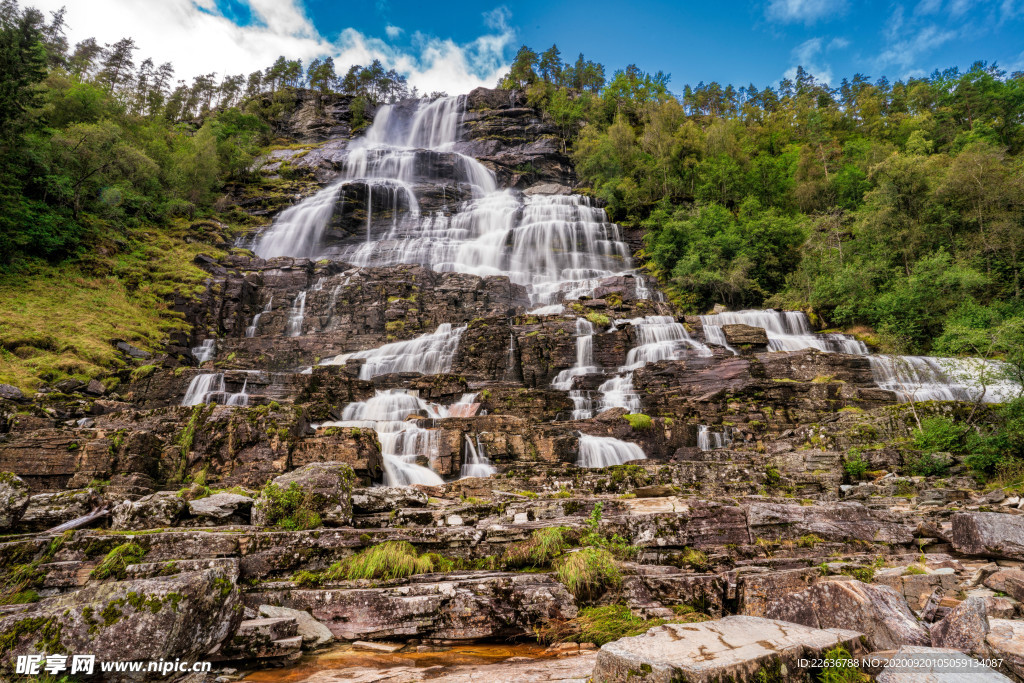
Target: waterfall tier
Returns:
[787, 331]
[604, 451]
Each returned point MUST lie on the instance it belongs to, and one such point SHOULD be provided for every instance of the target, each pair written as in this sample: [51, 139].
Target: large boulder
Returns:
[989, 534]
[47, 510]
[156, 511]
[387, 498]
[185, 616]
[13, 500]
[964, 628]
[736, 648]
[743, 335]
[879, 612]
[326, 489]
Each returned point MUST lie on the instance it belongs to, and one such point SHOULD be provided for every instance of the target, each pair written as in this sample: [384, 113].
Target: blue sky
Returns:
[457, 45]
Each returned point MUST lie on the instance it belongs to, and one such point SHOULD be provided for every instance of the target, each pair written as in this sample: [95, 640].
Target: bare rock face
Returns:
[989, 534]
[13, 499]
[384, 498]
[468, 606]
[155, 511]
[736, 648]
[879, 612]
[221, 506]
[327, 491]
[964, 628]
[183, 616]
[47, 510]
[313, 633]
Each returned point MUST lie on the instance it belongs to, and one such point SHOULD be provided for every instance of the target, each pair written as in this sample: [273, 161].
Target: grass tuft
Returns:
[117, 560]
[589, 573]
[540, 550]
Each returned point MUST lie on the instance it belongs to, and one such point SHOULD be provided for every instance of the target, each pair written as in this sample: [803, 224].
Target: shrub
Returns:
[117, 560]
[855, 466]
[639, 421]
[929, 465]
[589, 573]
[840, 667]
[809, 541]
[940, 434]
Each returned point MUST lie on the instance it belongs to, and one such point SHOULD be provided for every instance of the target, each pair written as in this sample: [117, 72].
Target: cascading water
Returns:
[708, 440]
[209, 388]
[297, 316]
[584, 366]
[430, 354]
[251, 330]
[402, 441]
[787, 331]
[474, 460]
[924, 378]
[206, 351]
[604, 451]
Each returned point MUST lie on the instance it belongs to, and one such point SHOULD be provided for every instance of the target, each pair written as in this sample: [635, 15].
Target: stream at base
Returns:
[449, 660]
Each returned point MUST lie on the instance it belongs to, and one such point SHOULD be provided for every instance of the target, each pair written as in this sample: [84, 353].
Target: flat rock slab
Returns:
[1006, 641]
[915, 664]
[736, 648]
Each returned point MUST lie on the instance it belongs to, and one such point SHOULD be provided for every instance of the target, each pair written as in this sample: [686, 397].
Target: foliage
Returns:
[600, 625]
[543, 546]
[855, 466]
[117, 560]
[588, 573]
[639, 421]
[389, 560]
[840, 667]
[288, 508]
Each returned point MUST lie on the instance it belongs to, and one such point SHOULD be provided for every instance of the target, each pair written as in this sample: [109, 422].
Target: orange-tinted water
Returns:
[345, 656]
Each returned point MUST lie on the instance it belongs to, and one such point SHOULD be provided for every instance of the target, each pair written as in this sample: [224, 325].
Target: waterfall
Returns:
[298, 315]
[563, 381]
[924, 378]
[209, 388]
[429, 354]
[557, 246]
[402, 442]
[474, 460]
[787, 331]
[604, 451]
[618, 392]
[552, 309]
[708, 440]
[206, 351]
[251, 330]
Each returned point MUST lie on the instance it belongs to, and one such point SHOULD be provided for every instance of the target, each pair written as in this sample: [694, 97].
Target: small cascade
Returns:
[206, 351]
[251, 330]
[787, 331]
[552, 309]
[299, 230]
[430, 354]
[402, 441]
[661, 338]
[925, 378]
[708, 440]
[474, 460]
[618, 392]
[563, 381]
[604, 451]
[210, 388]
[297, 316]
[464, 406]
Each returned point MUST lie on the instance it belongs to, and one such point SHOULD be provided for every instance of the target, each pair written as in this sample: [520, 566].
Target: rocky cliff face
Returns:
[295, 365]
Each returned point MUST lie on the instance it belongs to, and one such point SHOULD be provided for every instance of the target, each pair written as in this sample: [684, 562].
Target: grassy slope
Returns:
[59, 321]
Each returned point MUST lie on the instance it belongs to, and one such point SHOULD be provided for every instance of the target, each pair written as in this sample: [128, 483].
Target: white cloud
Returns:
[808, 55]
[197, 38]
[907, 53]
[393, 31]
[838, 44]
[803, 11]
